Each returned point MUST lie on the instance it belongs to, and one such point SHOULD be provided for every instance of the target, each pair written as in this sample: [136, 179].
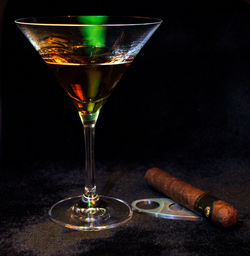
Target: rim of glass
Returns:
[33, 21]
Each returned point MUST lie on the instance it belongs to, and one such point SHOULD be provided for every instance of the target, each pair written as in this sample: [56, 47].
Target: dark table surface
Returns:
[26, 197]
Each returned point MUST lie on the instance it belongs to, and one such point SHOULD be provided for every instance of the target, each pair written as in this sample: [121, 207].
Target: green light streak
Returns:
[94, 36]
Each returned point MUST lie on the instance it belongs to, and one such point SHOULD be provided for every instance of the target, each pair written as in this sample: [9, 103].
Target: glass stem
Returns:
[89, 196]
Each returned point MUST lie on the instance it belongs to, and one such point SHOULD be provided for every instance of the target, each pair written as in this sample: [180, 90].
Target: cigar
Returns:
[197, 200]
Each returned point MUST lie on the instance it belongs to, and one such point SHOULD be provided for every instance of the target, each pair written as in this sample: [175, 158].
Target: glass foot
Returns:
[72, 213]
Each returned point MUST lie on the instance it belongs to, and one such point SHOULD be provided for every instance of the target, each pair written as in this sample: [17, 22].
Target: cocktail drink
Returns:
[88, 55]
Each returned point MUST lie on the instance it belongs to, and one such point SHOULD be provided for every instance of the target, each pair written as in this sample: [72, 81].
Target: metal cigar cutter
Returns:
[164, 208]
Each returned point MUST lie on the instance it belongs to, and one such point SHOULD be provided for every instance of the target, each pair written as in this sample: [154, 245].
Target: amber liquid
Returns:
[88, 83]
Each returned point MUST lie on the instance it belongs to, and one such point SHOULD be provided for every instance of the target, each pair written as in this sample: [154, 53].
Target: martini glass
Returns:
[88, 55]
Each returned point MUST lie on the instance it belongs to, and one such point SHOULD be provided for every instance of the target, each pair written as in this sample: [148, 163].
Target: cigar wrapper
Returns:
[215, 210]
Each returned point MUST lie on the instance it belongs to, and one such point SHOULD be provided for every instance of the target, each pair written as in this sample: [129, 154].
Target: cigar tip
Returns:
[150, 172]
[224, 214]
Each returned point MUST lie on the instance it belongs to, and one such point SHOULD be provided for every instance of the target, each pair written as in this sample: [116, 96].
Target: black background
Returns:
[183, 106]
[187, 92]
